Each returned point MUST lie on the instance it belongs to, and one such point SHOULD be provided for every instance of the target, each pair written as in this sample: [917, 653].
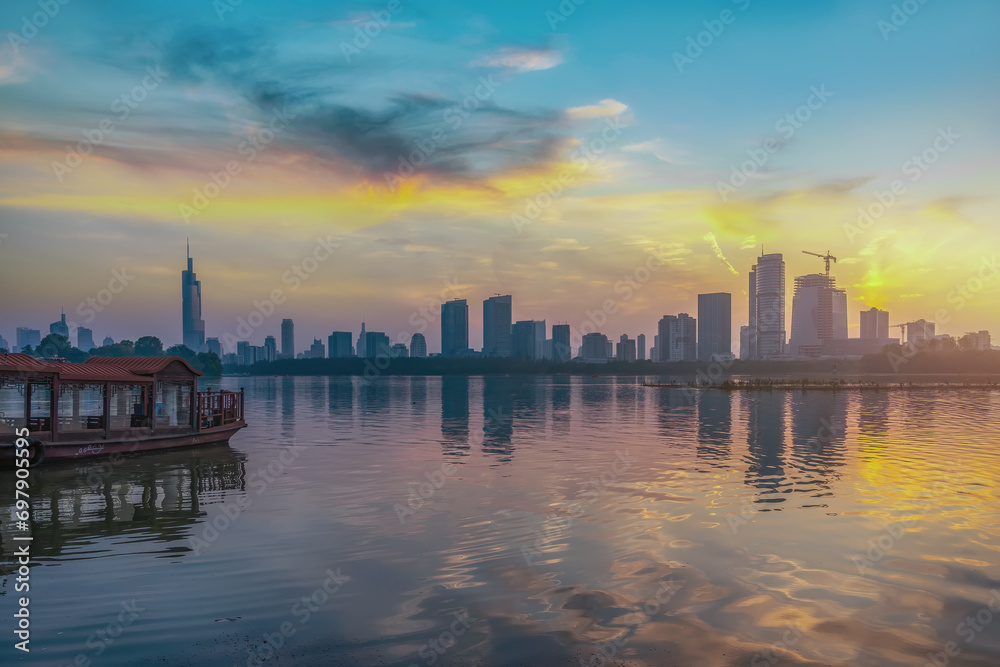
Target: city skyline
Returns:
[819, 322]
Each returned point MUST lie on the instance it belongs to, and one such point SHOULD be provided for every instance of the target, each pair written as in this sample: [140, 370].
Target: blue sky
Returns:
[653, 188]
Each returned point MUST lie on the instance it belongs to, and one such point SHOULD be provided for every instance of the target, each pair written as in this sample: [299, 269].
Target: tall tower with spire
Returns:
[193, 325]
[362, 345]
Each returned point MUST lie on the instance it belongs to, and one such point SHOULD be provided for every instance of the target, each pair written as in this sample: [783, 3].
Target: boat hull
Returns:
[73, 451]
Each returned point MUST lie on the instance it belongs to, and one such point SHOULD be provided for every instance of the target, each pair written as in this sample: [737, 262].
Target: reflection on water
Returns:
[154, 500]
[535, 520]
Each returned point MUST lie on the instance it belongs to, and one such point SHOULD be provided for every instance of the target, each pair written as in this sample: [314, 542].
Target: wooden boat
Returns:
[109, 405]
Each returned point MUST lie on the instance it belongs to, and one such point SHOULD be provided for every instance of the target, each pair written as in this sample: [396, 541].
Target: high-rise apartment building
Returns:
[625, 350]
[287, 339]
[874, 324]
[418, 345]
[339, 345]
[497, 326]
[677, 338]
[454, 328]
[819, 314]
[561, 350]
[528, 339]
[26, 337]
[767, 306]
[715, 325]
[85, 339]
[214, 346]
[60, 328]
[595, 347]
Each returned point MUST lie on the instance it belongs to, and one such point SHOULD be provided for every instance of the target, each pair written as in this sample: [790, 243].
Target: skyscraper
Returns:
[528, 339]
[60, 327]
[874, 324]
[664, 331]
[26, 337]
[746, 350]
[625, 350]
[497, 326]
[418, 345]
[270, 348]
[561, 350]
[819, 314]
[678, 338]
[715, 325]
[767, 306]
[192, 324]
[454, 328]
[919, 331]
[287, 339]
[685, 341]
[214, 346]
[339, 345]
[363, 342]
[377, 344]
[595, 347]
[85, 339]
[640, 344]
[317, 350]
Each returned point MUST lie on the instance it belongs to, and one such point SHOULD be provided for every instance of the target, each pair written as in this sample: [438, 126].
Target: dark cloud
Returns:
[463, 139]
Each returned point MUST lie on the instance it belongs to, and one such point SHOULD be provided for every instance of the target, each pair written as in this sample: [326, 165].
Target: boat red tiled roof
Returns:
[95, 369]
[141, 365]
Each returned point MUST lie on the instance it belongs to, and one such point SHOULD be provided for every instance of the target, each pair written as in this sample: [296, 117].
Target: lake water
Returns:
[530, 521]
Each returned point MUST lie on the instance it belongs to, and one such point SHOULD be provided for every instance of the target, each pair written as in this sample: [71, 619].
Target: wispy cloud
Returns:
[521, 59]
[658, 148]
[710, 237]
[606, 108]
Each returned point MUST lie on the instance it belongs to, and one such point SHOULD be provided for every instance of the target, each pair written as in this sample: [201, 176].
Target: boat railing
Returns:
[222, 408]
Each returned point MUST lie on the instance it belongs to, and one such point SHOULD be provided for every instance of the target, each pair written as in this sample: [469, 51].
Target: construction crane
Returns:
[826, 257]
[902, 329]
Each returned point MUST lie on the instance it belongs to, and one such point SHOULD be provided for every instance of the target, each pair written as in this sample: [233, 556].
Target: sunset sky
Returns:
[315, 119]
